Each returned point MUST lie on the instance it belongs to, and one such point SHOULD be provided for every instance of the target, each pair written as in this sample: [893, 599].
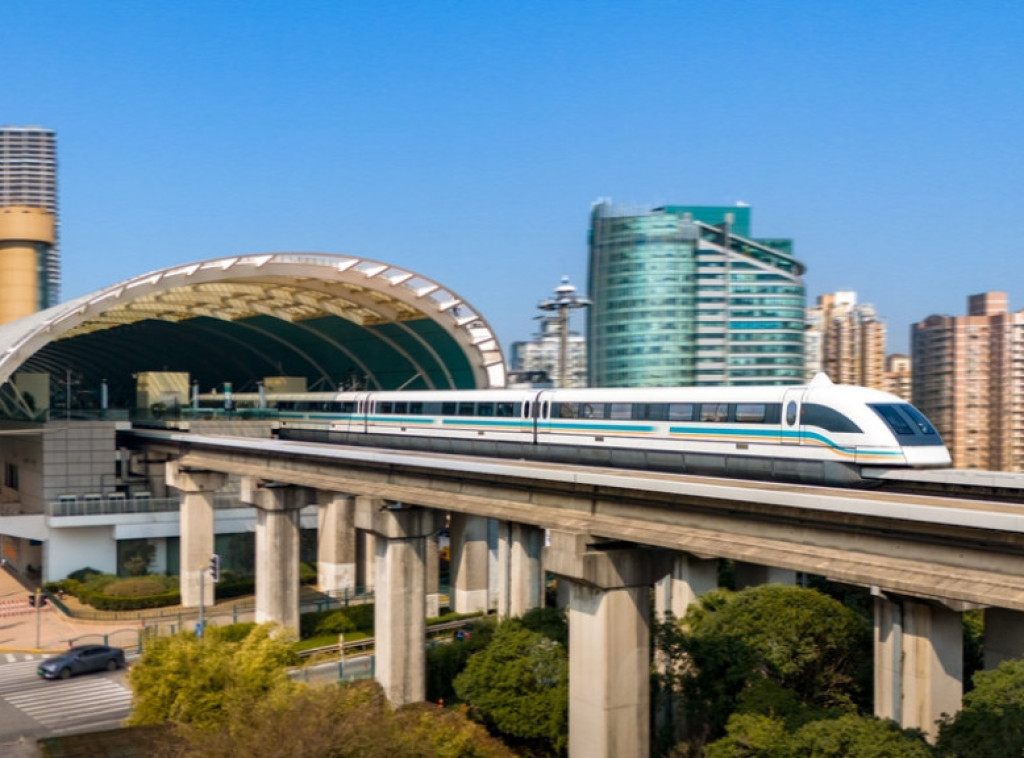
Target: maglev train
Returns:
[819, 433]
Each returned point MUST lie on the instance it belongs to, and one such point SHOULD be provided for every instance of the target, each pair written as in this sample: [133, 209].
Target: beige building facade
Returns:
[26, 238]
[845, 340]
[968, 378]
[898, 376]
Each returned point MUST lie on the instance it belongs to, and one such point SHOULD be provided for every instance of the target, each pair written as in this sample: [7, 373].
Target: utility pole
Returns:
[39, 603]
[200, 626]
[565, 300]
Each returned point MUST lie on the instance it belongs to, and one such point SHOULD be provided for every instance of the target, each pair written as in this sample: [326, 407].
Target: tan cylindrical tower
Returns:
[26, 235]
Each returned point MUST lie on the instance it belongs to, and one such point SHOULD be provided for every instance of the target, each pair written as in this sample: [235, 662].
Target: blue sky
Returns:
[467, 140]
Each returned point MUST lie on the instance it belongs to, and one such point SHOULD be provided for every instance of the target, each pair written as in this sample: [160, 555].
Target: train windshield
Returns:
[907, 423]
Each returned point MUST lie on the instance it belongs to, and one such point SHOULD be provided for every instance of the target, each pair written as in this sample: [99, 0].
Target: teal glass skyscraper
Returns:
[683, 296]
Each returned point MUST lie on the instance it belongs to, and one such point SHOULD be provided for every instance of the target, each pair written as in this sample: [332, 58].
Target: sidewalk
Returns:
[47, 629]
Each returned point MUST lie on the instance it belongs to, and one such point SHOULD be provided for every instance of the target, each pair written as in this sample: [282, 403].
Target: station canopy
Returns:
[340, 322]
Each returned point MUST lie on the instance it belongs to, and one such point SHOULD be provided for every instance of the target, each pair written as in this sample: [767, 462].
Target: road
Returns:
[33, 708]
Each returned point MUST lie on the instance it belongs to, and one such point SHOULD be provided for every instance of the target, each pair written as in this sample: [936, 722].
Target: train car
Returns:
[816, 433]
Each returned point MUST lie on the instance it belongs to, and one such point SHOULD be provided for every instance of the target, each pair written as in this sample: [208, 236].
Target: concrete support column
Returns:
[277, 549]
[520, 573]
[336, 542]
[502, 574]
[365, 550]
[469, 563]
[433, 569]
[609, 641]
[754, 575]
[690, 578]
[918, 662]
[198, 489]
[400, 595]
[1004, 636]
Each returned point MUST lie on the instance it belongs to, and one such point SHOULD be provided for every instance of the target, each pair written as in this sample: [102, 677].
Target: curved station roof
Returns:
[340, 322]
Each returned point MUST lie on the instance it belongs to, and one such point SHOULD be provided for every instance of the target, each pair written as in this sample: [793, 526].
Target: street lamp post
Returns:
[565, 300]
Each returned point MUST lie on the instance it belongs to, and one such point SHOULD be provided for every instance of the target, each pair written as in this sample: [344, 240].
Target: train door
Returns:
[789, 429]
[359, 422]
[541, 414]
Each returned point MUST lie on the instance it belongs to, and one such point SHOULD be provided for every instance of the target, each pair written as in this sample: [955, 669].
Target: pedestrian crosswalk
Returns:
[83, 703]
[15, 657]
[63, 705]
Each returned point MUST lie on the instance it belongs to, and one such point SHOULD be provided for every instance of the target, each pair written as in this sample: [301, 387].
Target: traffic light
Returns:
[215, 567]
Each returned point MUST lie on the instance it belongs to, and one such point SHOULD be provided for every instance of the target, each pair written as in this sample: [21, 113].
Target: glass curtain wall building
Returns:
[683, 296]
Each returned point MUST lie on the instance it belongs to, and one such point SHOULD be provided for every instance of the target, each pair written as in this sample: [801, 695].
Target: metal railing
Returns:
[116, 503]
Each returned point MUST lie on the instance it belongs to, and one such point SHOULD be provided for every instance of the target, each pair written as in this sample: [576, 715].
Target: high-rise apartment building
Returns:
[845, 340]
[29, 256]
[684, 296]
[968, 378]
[898, 376]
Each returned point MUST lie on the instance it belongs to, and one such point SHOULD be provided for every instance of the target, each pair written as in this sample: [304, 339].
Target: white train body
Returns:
[818, 432]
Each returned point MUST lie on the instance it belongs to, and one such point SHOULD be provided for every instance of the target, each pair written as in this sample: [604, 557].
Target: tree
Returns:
[446, 660]
[855, 736]
[350, 721]
[519, 686]
[550, 621]
[804, 642]
[751, 735]
[196, 680]
[991, 723]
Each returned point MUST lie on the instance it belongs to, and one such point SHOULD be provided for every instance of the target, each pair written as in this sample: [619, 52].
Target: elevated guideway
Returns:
[612, 534]
[964, 551]
[970, 483]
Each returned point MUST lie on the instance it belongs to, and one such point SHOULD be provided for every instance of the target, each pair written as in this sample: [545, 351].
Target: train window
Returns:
[650, 411]
[751, 413]
[896, 420]
[467, 409]
[680, 412]
[565, 410]
[347, 407]
[447, 409]
[907, 422]
[592, 410]
[527, 408]
[791, 414]
[923, 424]
[386, 408]
[401, 407]
[505, 410]
[714, 412]
[620, 411]
[485, 409]
[812, 414]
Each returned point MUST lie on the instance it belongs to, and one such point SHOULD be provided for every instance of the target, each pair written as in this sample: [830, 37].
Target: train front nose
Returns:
[930, 455]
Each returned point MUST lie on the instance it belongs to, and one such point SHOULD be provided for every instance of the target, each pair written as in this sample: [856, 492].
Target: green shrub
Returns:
[356, 618]
[335, 622]
[83, 574]
[141, 587]
[235, 585]
[361, 616]
[106, 592]
[103, 602]
[233, 632]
